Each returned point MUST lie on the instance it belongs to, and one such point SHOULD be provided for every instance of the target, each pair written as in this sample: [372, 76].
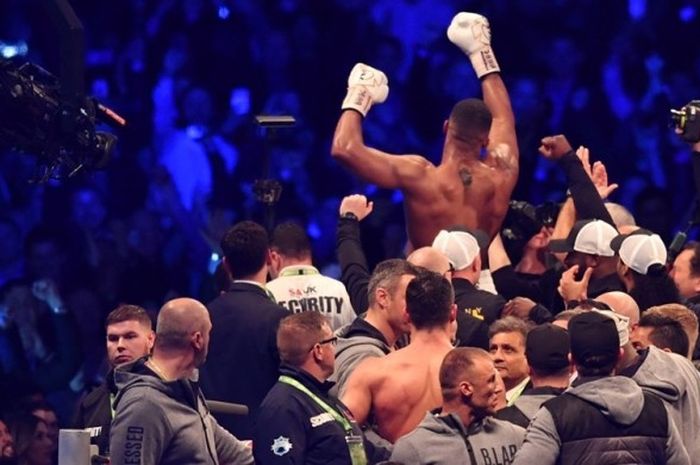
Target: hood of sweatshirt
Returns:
[617, 397]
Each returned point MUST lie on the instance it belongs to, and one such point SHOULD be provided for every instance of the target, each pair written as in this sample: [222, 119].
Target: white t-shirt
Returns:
[302, 288]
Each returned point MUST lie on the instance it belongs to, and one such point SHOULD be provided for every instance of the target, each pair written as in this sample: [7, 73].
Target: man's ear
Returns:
[696, 285]
[453, 313]
[316, 351]
[197, 340]
[150, 340]
[466, 389]
[476, 265]
[445, 125]
[227, 266]
[381, 296]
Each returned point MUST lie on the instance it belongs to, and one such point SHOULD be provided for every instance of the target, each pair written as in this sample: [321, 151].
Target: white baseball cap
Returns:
[460, 245]
[587, 236]
[640, 250]
[622, 323]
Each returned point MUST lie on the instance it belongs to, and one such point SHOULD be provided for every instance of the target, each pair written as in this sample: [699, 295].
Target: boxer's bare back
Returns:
[397, 390]
[462, 190]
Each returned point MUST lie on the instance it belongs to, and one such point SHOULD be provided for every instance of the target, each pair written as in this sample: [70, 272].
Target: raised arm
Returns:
[367, 86]
[472, 34]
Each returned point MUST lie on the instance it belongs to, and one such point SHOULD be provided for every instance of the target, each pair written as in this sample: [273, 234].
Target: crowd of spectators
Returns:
[188, 75]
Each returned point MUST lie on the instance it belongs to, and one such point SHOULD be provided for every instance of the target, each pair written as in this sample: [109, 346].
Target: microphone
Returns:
[227, 408]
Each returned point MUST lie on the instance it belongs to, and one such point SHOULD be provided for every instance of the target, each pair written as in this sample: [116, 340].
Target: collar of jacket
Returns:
[308, 380]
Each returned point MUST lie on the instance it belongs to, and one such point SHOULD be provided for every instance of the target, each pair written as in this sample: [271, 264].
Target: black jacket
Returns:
[95, 413]
[482, 305]
[355, 272]
[292, 428]
[242, 364]
[527, 404]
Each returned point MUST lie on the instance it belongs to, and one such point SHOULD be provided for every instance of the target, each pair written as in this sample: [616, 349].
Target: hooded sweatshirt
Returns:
[444, 440]
[356, 342]
[674, 380]
[158, 422]
[602, 421]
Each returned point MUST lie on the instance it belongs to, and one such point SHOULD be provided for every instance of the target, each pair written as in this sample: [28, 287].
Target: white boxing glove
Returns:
[471, 33]
[366, 85]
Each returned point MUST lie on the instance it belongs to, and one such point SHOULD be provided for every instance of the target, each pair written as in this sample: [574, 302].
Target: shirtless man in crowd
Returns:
[392, 393]
[466, 188]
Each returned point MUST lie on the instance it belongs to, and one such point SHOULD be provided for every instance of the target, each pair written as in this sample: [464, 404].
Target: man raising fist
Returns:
[466, 188]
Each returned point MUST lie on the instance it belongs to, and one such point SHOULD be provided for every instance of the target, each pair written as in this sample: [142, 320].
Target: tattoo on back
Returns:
[466, 177]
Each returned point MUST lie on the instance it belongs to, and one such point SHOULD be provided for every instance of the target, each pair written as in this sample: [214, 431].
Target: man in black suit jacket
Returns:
[242, 364]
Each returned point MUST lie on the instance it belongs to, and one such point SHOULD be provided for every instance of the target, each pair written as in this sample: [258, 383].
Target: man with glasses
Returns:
[298, 422]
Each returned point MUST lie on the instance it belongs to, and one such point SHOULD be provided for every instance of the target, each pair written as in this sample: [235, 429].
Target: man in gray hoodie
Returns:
[602, 419]
[375, 334]
[161, 416]
[465, 431]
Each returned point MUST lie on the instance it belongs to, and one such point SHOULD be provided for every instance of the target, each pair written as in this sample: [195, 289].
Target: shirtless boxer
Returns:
[466, 188]
[397, 390]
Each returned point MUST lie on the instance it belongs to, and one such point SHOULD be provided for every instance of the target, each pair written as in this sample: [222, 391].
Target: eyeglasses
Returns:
[450, 270]
[331, 340]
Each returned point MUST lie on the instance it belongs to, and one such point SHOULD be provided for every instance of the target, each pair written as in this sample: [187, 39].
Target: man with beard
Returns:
[161, 416]
[464, 432]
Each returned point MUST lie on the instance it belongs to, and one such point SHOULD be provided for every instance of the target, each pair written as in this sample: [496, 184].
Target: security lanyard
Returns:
[330, 410]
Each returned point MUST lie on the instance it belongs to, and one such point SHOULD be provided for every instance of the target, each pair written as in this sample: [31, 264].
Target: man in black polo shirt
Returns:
[602, 418]
[474, 306]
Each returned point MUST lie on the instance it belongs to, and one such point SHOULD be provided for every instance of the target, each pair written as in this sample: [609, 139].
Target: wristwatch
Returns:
[349, 216]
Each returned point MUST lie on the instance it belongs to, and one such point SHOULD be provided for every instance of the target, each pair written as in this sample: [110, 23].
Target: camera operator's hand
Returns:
[555, 147]
[357, 205]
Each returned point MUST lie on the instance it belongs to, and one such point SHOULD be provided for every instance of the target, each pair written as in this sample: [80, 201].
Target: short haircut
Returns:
[429, 299]
[695, 259]
[471, 120]
[387, 275]
[245, 247]
[297, 334]
[567, 315]
[666, 333]
[222, 280]
[509, 324]
[127, 312]
[290, 240]
[454, 367]
[621, 216]
[683, 315]
[654, 288]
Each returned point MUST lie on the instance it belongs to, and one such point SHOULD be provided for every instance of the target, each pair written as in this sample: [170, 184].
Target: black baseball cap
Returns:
[547, 347]
[593, 334]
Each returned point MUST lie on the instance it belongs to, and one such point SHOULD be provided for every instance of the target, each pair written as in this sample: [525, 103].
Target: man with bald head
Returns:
[161, 416]
[622, 303]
